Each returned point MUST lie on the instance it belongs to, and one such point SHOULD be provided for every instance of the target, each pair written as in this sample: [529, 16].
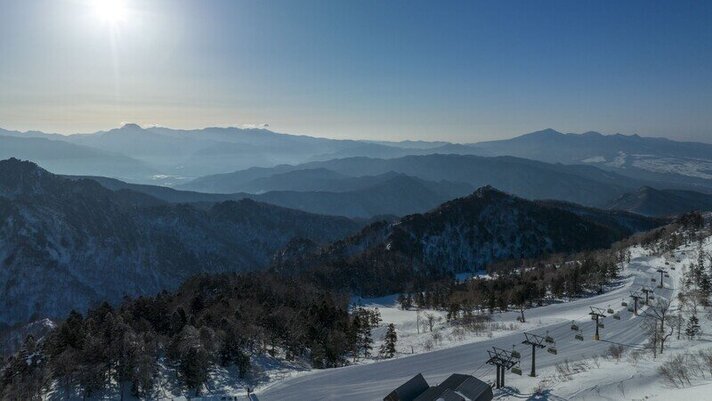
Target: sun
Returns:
[110, 11]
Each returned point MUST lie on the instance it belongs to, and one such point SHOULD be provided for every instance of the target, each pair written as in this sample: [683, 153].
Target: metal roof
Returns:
[410, 390]
[458, 387]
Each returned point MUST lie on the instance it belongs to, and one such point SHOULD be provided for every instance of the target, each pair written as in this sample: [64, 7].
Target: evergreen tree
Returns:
[355, 334]
[453, 311]
[388, 350]
[366, 340]
[420, 300]
[194, 368]
[402, 302]
[375, 318]
[693, 327]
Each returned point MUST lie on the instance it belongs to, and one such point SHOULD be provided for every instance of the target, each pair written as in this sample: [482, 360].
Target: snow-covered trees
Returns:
[388, 349]
[692, 329]
[522, 284]
[210, 321]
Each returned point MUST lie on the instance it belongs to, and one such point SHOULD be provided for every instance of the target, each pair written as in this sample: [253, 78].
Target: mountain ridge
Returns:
[174, 156]
[463, 234]
[532, 179]
[662, 161]
[63, 242]
[649, 201]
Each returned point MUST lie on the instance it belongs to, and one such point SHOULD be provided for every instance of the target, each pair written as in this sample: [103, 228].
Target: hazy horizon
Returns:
[268, 128]
[373, 70]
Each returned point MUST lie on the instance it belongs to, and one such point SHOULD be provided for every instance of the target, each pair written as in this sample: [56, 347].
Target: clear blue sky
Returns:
[453, 70]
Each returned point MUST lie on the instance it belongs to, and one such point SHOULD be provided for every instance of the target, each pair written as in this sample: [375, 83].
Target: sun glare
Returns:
[110, 11]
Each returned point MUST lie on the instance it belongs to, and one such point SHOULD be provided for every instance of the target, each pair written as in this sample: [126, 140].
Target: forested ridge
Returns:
[219, 320]
[230, 319]
[462, 235]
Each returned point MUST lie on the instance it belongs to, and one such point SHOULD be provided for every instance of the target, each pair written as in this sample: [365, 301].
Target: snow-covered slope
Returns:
[579, 370]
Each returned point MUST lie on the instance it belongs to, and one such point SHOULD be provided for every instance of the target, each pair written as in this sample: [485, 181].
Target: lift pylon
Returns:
[503, 360]
[536, 342]
[636, 297]
[597, 314]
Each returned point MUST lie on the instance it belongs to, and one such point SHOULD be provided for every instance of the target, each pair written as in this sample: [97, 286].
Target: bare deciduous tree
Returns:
[659, 325]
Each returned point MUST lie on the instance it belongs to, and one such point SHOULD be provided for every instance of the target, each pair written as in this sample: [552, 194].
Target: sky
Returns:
[462, 71]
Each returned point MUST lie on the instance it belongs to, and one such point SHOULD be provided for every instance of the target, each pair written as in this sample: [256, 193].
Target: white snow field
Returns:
[582, 373]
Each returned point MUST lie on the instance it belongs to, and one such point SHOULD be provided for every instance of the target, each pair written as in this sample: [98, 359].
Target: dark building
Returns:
[457, 387]
[410, 390]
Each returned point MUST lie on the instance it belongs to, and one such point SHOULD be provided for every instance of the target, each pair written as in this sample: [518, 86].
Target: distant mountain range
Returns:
[72, 243]
[356, 197]
[666, 163]
[460, 235]
[362, 179]
[163, 155]
[398, 194]
[530, 179]
[69, 158]
[387, 194]
[171, 157]
[364, 188]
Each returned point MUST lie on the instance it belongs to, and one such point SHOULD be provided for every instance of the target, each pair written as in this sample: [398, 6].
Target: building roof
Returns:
[410, 390]
[454, 380]
[458, 387]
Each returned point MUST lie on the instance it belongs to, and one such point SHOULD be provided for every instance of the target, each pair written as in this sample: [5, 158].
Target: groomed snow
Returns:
[591, 376]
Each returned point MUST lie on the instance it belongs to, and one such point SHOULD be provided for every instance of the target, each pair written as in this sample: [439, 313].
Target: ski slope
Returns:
[374, 381]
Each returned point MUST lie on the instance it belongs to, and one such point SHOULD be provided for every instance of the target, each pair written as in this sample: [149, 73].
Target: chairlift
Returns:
[574, 326]
[654, 280]
[610, 311]
[667, 275]
[549, 339]
[517, 370]
[579, 337]
[667, 263]
[624, 303]
[516, 354]
[630, 309]
[552, 350]
[617, 316]
[672, 267]
[601, 326]
[651, 296]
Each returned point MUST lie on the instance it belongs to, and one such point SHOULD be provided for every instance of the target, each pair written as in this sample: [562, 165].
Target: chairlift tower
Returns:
[536, 342]
[636, 297]
[596, 314]
[647, 292]
[503, 360]
[662, 272]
